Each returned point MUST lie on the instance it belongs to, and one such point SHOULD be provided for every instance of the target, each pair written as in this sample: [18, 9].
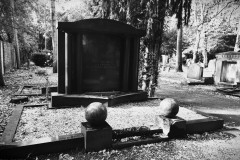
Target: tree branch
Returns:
[229, 19]
[215, 14]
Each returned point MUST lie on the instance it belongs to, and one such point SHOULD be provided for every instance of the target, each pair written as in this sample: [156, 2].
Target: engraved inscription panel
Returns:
[101, 62]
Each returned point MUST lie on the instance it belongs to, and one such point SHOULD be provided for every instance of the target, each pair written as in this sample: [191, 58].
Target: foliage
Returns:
[169, 39]
[148, 15]
[220, 21]
[22, 20]
[224, 43]
[39, 59]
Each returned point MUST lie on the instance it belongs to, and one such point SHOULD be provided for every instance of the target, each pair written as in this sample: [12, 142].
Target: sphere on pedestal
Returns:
[169, 107]
[96, 113]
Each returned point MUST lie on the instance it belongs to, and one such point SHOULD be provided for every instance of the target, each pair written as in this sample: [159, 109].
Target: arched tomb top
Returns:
[101, 26]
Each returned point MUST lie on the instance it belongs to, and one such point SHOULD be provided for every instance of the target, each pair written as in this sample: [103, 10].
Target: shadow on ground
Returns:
[229, 119]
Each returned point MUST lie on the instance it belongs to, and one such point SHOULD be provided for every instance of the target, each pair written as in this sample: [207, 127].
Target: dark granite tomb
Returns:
[97, 57]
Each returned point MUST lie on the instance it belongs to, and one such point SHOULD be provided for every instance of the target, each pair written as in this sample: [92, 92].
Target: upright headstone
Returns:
[212, 65]
[195, 71]
[96, 55]
[210, 70]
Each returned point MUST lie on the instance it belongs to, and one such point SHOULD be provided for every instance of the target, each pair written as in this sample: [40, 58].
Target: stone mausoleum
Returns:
[97, 61]
[227, 68]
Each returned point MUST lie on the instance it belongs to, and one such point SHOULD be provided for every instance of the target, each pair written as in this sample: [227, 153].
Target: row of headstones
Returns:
[197, 72]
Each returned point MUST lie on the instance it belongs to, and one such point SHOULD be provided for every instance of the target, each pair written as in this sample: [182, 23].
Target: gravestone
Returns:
[210, 70]
[195, 71]
[212, 65]
[97, 57]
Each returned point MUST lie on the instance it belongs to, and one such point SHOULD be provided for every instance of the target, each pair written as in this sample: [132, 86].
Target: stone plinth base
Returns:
[110, 98]
[172, 127]
[96, 138]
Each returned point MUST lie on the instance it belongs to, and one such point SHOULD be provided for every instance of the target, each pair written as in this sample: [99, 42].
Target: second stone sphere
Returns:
[169, 107]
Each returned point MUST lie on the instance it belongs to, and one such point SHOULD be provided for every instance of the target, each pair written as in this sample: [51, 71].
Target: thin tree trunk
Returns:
[237, 44]
[205, 38]
[45, 35]
[197, 41]
[1, 61]
[128, 16]
[54, 41]
[145, 72]
[1, 77]
[15, 35]
[179, 50]
[45, 42]
[204, 52]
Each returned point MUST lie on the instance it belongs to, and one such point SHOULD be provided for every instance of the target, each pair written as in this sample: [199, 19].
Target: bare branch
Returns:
[229, 19]
[203, 22]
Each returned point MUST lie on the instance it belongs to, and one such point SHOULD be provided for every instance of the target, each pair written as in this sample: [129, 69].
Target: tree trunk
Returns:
[15, 37]
[204, 52]
[1, 77]
[179, 50]
[145, 72]
[1, 61]
[205, 38]
[45, 34]
[237, 44]
[45, 42]
[54, 40]
[128, 16]
[198, 34]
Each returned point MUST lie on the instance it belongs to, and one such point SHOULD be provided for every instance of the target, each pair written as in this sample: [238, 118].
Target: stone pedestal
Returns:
[96, 138]
[172, 127]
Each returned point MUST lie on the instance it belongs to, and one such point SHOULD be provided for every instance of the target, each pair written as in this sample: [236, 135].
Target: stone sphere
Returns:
[169, 107]
[96, 113]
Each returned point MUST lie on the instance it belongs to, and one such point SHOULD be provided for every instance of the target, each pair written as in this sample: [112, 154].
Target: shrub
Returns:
[39, 59]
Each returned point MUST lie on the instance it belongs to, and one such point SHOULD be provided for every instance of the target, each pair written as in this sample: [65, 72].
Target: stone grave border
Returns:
[10, 149]
[19, 92]
[42, 90]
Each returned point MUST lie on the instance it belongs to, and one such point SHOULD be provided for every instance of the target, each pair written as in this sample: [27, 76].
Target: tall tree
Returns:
[179, 38]
[148, 15]
[204, 11]
[15, 35]
[179, 50]
[198, 31]
[1, 74]
[54, 37]
[237, 44]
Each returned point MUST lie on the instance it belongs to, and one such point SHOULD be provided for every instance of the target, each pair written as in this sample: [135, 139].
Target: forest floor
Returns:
[222, 144]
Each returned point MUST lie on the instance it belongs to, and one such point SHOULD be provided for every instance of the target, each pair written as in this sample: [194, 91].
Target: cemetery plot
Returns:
[39, 122]
[122, 118]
